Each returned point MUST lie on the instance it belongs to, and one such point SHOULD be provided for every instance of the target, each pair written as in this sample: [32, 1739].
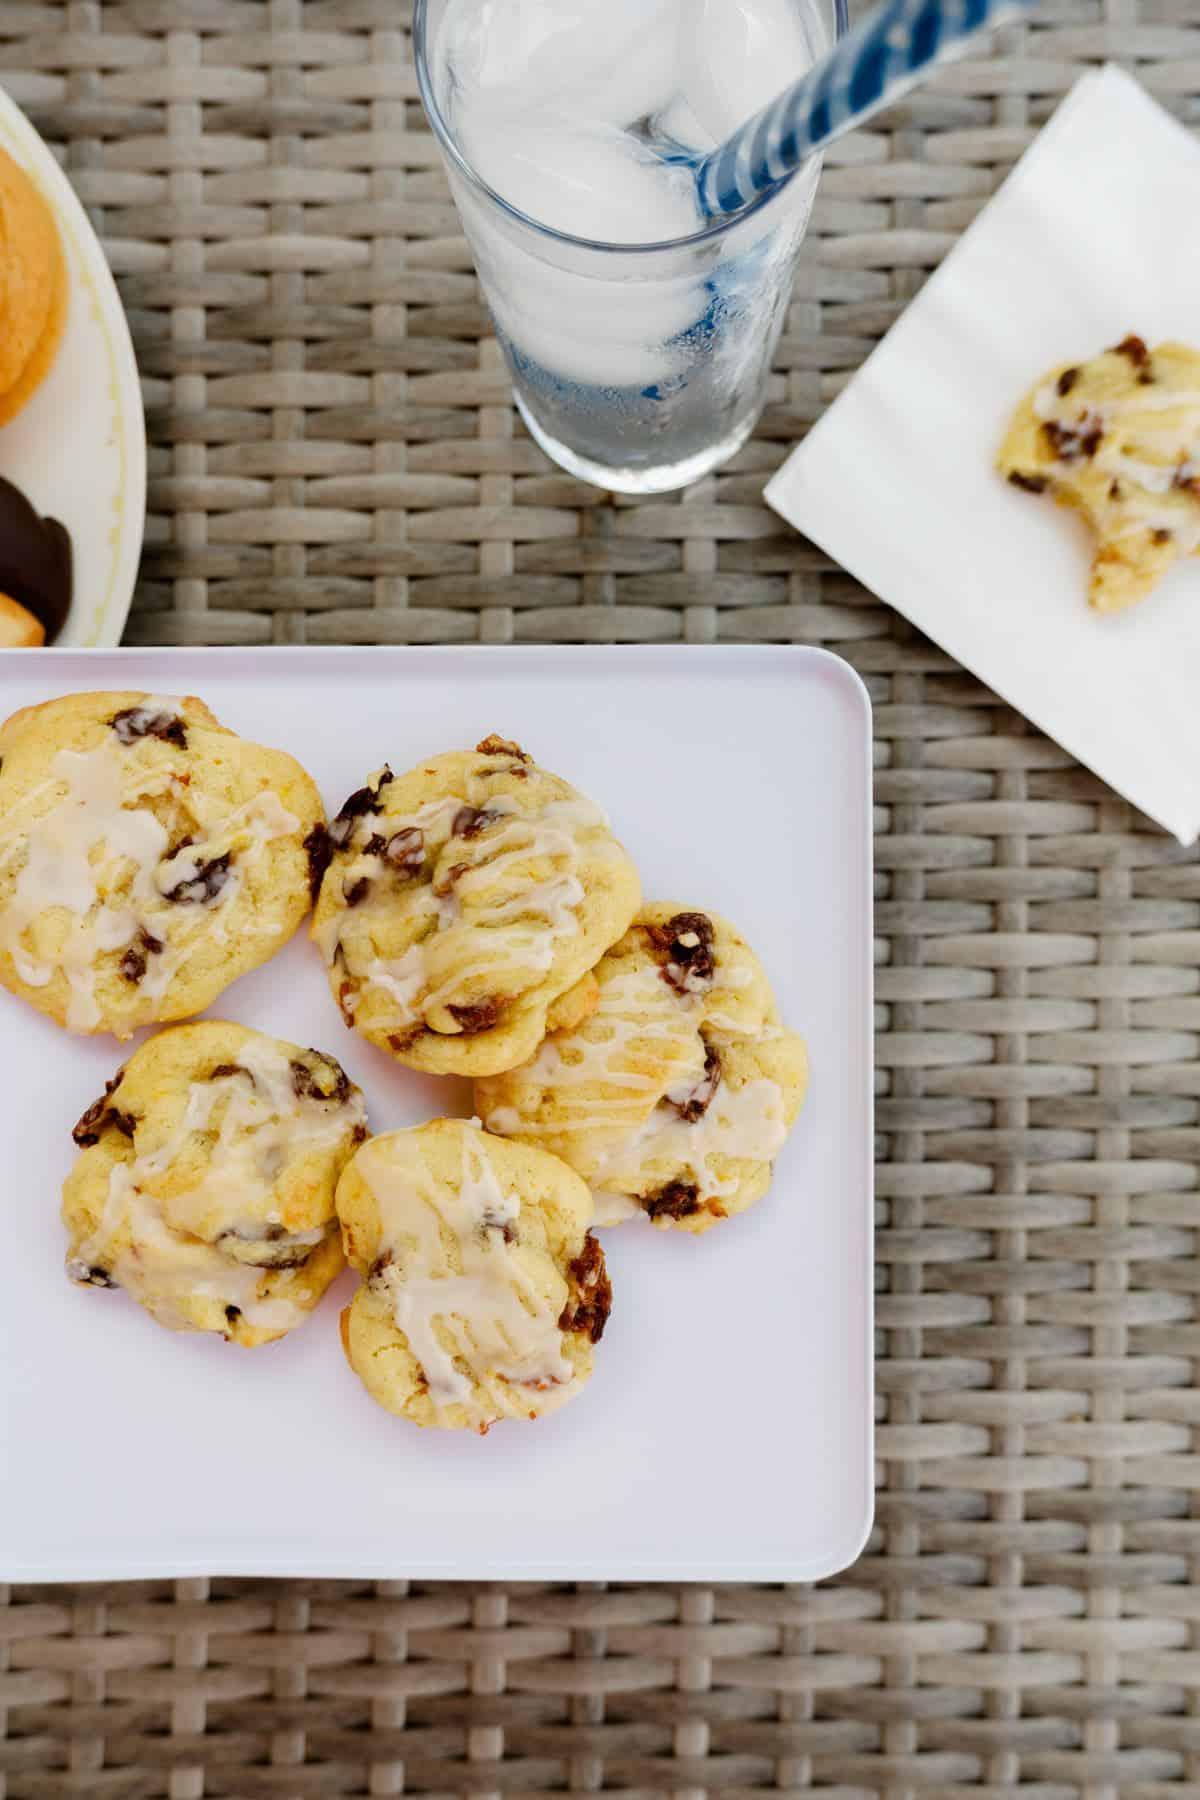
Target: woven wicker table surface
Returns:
[334, 457]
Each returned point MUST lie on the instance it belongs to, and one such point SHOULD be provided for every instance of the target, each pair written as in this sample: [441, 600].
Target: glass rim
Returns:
[433, 112]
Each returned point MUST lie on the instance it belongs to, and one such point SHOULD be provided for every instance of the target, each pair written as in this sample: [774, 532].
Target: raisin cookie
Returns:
[679, 1087]
[483, 1294]
[206, 1181]
[1118, 439]
[462, 900]
[147, 858]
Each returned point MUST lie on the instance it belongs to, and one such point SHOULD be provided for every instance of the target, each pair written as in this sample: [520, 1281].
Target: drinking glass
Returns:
[636, 367]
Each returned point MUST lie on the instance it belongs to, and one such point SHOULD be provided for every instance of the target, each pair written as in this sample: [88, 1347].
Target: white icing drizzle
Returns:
[1148, 462]
[1045, 402]
[521, 926]
[624, 1048]
[1184, 530]
[1154, 478]
[263, 1125]
[747, 1122]
[401, 977]
[59, 872]
[96, 840]
[485, 1337]
[1153, 399]
[1048, 403]
[636, 1007]
[164, 1270]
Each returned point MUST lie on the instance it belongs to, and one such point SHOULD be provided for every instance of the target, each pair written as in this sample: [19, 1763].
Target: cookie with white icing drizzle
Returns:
[483, 1293]
[462, 901]
[148, 857]
[1117, 438]
[675, 1093]
[205, 1183]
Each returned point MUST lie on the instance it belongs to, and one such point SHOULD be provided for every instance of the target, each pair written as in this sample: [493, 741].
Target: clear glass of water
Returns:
[639, 337]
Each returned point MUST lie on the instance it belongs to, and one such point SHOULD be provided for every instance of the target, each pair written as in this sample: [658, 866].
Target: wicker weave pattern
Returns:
[334, 457]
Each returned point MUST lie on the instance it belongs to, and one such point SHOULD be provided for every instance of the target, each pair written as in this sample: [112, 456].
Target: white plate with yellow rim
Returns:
[77, 451]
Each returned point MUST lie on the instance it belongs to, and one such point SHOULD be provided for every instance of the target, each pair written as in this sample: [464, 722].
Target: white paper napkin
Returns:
[1092, 236]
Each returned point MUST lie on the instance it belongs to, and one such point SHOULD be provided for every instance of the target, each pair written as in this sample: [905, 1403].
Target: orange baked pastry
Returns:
[33, 287]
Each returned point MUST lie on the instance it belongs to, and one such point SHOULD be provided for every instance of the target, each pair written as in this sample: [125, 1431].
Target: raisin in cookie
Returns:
[206, 1181]
[483, 1293]
[462, 900]
[147, 858]
[1118, 439]
[677, 1090]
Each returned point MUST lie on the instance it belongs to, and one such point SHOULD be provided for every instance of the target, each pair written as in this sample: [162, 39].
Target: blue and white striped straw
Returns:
[888, 52]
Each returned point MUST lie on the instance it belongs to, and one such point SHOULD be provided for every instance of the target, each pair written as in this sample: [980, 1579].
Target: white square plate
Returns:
[726, 1434]
[1081, 246]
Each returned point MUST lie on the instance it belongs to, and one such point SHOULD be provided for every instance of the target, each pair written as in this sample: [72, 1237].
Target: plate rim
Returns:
[300, 1563]
[112, 612]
